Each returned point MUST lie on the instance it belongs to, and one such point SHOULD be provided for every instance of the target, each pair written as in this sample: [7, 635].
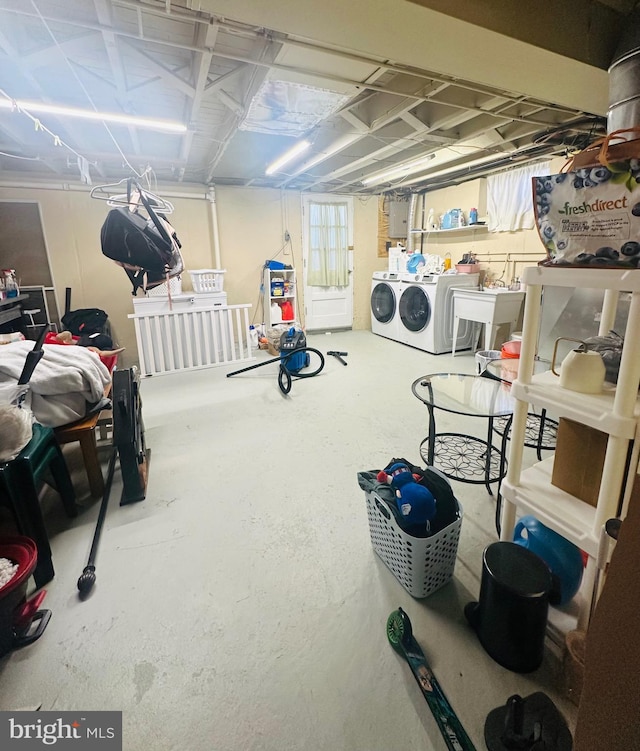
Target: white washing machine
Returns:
[425, 312]
[384, 304]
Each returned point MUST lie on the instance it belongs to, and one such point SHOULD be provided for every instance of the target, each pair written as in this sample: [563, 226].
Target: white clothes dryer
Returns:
[384, 304]
[425, 312]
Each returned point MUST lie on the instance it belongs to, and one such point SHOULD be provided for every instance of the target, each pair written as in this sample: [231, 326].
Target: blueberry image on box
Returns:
[607, 252]
[630, 248]
[599, 174]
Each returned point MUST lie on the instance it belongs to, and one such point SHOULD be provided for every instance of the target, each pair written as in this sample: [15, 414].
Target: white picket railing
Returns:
[196, 338]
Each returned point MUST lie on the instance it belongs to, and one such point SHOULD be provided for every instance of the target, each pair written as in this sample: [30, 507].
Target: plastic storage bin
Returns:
[421, 564]
[207, 280]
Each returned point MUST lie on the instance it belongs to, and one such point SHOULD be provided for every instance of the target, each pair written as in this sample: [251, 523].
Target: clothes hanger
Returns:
[132, 197]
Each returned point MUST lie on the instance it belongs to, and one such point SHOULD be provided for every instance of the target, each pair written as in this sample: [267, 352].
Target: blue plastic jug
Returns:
[563, 557]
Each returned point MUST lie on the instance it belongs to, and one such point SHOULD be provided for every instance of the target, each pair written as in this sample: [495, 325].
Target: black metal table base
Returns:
[464, 458]
[540, 434]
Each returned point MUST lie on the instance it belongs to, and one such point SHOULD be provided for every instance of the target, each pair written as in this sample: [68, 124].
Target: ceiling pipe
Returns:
[624, 80]
[471, 173]
[411, 221]
[215, 235]
[78, 188]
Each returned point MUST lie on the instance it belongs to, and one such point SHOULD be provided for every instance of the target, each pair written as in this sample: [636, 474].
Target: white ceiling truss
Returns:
[153, 58]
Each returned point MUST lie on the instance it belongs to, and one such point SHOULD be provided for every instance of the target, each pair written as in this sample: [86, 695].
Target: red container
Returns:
[511, 349]
[17, 615]
[287, 310]
[20, 550]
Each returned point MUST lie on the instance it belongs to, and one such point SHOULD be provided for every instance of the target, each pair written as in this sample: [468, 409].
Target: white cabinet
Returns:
[616, 412]
[280, 296]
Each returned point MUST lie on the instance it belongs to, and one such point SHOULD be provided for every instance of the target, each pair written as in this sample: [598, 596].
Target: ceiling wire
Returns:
[57, 141]
[82, 86]
[24, 158]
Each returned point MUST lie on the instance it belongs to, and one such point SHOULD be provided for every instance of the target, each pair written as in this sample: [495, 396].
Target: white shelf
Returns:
[627, 280]
[466, 228]
[615, 412]
[594, 410]
[272, 316]
[568, 516]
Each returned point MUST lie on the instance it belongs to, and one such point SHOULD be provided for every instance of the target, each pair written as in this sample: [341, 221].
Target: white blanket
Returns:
[65, 381]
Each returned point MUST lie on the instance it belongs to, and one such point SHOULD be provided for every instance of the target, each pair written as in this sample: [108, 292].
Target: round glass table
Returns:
[461, 456]
[541, 431]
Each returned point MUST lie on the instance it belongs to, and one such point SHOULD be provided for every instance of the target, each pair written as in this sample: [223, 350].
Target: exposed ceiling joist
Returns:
[203, 67]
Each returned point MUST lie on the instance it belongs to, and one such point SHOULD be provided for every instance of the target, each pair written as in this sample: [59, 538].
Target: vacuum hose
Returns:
[286, 376]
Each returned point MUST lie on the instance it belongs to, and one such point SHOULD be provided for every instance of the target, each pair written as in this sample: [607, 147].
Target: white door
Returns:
[327, 307]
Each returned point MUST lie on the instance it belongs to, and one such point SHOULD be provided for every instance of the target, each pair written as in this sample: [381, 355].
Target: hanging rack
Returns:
[132, 197]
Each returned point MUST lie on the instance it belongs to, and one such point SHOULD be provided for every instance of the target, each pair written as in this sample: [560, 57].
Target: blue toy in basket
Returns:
[563, 557]
[415, 503]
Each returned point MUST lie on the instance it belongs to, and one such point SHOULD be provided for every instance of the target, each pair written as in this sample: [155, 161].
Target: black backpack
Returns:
[84, 321]
[146, 247]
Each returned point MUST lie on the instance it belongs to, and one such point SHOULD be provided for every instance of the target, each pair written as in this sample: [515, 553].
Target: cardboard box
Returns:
[579, 459]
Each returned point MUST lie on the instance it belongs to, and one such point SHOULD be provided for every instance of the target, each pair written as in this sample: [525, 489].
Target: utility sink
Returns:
[491, 307]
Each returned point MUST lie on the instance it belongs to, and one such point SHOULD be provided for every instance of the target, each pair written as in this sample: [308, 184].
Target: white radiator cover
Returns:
[196, 333]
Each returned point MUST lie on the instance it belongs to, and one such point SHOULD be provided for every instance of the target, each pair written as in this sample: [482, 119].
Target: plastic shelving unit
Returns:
[284, 293]
[615, 412]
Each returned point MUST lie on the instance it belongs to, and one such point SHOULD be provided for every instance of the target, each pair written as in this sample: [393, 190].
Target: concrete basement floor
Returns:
[240, 607]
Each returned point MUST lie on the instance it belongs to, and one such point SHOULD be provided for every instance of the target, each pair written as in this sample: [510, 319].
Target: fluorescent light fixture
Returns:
[457, 168]
[108, 117]
[447, 154]
[287, 157]
[401, 170]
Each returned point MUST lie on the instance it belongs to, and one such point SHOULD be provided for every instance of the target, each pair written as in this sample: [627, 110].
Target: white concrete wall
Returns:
[252, 222]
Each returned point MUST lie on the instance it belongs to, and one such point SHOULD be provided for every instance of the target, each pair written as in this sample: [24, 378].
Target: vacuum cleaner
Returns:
[294, 357]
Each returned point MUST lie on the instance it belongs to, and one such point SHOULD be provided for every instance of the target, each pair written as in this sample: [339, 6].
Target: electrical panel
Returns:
[398, 217]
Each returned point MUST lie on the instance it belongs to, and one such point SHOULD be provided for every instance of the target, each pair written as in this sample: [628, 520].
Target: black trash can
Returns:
[510, 618]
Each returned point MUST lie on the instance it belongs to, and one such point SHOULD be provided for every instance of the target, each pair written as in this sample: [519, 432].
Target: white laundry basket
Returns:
[174, 285]
[207, 280]
[421, 564]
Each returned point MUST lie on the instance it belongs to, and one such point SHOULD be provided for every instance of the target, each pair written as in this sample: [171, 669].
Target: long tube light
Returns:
[400, 170]
[287, 157]
[456, 168]
[110, 117]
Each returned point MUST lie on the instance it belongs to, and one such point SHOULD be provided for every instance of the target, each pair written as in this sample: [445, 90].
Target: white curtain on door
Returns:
[328, 245]
[510, 198]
